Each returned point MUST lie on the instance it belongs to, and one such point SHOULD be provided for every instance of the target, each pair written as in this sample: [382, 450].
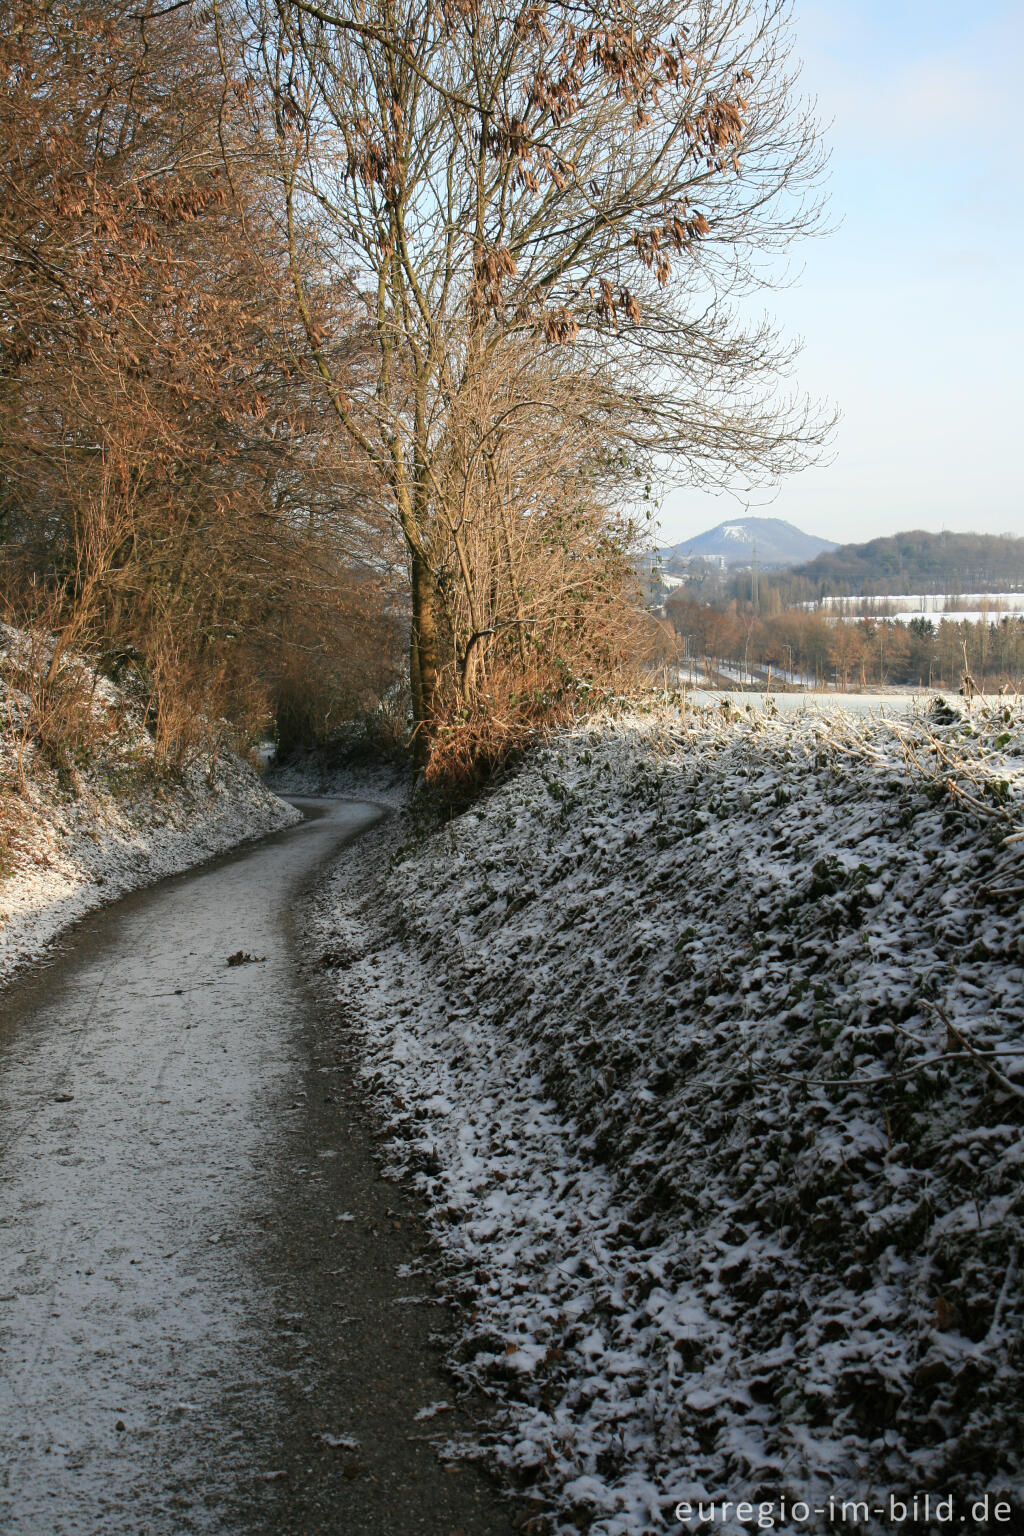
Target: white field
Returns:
[957, 608]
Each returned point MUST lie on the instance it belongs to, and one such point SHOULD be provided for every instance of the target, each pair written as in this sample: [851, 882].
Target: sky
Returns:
[912, 310]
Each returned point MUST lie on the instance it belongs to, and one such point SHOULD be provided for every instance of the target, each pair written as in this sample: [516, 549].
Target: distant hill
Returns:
[774, 542]
[919, 562]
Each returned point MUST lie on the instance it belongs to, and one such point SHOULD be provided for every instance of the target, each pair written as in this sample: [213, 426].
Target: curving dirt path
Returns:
[204, 1313]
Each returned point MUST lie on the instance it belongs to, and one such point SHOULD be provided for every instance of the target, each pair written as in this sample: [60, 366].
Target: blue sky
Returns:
[912, 310]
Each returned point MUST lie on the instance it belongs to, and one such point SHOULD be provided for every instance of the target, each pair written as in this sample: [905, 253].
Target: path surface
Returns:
[204, 1313]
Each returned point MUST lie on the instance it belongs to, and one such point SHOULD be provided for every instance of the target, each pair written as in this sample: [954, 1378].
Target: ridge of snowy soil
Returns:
[76, 837]
[702, 1035]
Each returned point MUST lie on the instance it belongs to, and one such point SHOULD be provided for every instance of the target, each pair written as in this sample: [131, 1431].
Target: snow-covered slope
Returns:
[703, 1035]
[774, 542]
[82, 834]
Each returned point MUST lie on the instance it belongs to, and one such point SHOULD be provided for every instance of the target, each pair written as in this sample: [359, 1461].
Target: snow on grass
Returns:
[703, 1036]
[100, 822]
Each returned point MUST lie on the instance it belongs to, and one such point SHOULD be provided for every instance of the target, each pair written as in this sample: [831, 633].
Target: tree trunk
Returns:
[424, 644]
[414, 677]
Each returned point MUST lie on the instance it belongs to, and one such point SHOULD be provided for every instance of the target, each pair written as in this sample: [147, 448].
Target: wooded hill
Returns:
[918, 562]
[943, 563]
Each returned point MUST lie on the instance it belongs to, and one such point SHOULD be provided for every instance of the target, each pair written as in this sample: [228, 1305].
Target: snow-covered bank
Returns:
[106, 821]
[703, 1036]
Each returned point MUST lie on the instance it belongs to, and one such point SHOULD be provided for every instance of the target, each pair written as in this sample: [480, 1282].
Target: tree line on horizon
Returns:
[340, 344]
[915, 561]
[831, 651]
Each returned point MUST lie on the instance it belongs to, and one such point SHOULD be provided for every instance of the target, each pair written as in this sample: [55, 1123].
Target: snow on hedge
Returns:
[80, 829]
[703, 1035]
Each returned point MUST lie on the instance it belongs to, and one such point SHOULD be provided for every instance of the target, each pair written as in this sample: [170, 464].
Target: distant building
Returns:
[681, 565]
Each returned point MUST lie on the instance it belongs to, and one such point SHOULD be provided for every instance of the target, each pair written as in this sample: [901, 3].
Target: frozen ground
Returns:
[74, 838]
[703, 1036]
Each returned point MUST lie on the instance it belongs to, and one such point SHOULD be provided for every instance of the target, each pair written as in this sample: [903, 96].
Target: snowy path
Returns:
[199, 1266]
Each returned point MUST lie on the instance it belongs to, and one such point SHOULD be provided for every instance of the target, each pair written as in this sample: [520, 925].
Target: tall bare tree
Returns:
[548, 215]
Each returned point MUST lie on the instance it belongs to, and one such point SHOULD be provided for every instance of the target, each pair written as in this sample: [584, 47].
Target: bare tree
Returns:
[169, 492]
[548, 215]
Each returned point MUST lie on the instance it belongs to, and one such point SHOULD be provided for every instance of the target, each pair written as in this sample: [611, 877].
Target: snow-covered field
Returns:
[73, 839]
[966, 608]
[702, 1034]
